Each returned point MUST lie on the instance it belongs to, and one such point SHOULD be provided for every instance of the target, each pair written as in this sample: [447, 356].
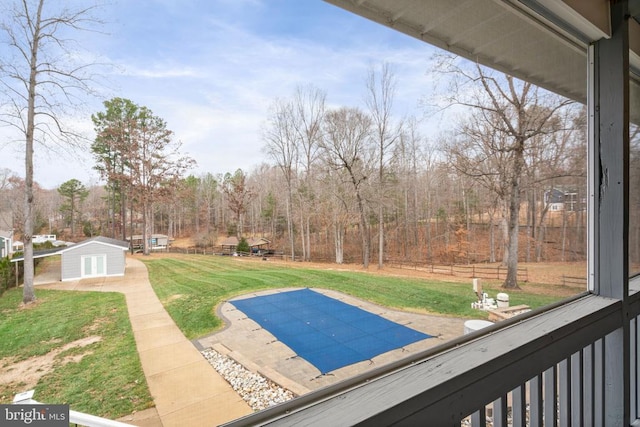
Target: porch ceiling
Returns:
[541, 41]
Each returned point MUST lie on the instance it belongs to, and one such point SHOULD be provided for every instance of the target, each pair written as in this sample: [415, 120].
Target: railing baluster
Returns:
[500, 412]
[598, 383]
[635, 376]
[519, 406]
[588, 375]
[535, 401]
[479, 418]
[551, 397]
[564, 393]
[575, 389]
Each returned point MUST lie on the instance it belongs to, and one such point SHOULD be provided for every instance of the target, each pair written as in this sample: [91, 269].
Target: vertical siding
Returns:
[71, 267]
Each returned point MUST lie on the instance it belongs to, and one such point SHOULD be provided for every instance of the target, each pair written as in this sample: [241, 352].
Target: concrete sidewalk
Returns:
[187, 391]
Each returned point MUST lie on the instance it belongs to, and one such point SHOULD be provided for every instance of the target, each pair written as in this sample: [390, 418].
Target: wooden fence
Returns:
[498, 272]
[574, 281]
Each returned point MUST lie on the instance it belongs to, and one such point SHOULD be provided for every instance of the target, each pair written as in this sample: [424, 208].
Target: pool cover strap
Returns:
[326, 332]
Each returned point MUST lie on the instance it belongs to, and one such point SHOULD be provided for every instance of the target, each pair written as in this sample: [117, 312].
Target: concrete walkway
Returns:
[187, 391]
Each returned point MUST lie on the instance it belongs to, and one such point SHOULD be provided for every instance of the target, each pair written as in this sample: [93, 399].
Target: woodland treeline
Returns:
[349, 184]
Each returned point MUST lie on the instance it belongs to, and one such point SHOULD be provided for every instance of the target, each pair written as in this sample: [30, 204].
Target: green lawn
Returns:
[191, 286]
[108, 381]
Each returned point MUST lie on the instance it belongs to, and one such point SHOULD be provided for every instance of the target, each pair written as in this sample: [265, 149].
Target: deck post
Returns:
[609, 194]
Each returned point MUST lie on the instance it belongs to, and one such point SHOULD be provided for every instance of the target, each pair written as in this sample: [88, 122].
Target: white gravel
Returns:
[257, 391]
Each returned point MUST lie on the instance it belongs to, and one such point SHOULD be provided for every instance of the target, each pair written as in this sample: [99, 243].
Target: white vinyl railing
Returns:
[75, 417]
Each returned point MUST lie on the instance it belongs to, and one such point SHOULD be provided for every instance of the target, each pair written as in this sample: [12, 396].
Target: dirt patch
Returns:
[28, 372]
[172, 298]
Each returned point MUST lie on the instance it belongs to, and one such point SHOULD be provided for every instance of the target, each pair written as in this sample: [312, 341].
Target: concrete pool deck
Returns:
[246, 342]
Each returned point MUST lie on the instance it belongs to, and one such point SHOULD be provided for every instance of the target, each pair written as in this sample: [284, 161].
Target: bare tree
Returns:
[280, 139]
[346, 146]
[507, 115]
[208, 192]
[337, 205]
[381, 89]
[238, 196]
[41, 77]
[308, 108]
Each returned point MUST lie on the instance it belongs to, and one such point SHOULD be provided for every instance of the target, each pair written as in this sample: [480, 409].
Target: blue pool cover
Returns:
[326, 332]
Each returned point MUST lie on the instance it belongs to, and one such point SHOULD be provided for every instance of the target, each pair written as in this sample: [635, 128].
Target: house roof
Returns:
[230, 241]
[6, 234]
[258, 241]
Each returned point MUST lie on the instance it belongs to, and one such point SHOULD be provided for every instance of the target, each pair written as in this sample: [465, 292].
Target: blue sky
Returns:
[212, 68]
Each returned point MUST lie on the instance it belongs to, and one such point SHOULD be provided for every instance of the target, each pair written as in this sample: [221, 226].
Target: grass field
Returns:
[78, 347]
[73, 347]
[191, 286]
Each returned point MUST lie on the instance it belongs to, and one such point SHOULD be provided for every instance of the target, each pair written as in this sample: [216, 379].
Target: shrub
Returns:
[6, 274]
[243, 246]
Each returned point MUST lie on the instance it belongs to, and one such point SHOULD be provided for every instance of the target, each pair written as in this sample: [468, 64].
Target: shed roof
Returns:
[56, 251]
[101, 240]
[39, 254]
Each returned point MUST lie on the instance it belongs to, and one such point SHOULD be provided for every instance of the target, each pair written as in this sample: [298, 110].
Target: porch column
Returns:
[609, 192]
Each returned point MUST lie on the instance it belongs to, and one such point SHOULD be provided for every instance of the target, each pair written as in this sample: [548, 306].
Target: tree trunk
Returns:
[338, 241]
[145, 227]
[492, 239]
[290, 226]
[308, 230]
[303, 237]
[564, 234]
[380, 236]
[504, 223]
[511, 282]
[364, 229]
[28, 292]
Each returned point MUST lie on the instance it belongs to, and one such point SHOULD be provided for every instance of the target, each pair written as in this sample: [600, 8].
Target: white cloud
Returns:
[213, 75]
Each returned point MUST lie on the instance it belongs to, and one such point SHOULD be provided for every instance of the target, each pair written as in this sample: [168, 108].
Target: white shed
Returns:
[95, 257]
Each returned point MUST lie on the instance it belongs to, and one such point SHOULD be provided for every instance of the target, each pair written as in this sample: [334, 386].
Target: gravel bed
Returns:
[257, 391]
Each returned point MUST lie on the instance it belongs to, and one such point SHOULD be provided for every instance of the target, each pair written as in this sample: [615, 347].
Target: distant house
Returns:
[156, 242]
[229, 245]
[95, 257]
[42, 238]
[6, 243]
[563, 199]
[259, 245]
[18, 246]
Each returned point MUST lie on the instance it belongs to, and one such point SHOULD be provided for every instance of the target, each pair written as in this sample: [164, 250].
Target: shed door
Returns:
[94, 265]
